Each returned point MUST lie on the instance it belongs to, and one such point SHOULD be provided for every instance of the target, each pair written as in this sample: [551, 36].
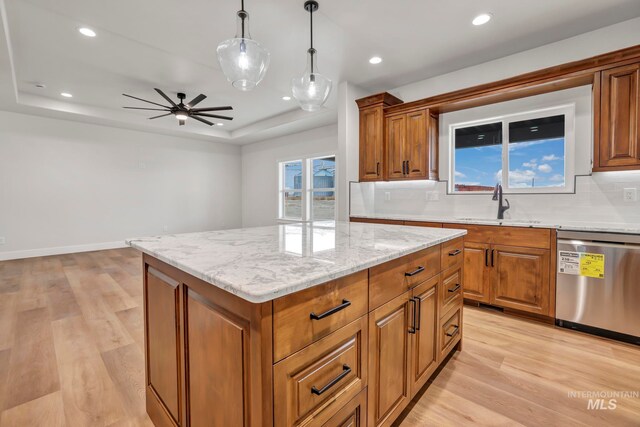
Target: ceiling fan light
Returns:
[182, 116]
[244, 61]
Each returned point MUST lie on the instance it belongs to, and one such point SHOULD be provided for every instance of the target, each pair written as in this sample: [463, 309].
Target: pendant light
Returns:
[311, 90]
[244, 62]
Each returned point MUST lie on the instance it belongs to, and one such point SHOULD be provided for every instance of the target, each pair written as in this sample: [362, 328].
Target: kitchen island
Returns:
[319, 324]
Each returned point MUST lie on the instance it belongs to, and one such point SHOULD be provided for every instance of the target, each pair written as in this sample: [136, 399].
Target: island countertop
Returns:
[260, 264]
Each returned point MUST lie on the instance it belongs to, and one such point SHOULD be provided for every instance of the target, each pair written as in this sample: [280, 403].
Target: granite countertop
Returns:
[597, 227]
[263, 263]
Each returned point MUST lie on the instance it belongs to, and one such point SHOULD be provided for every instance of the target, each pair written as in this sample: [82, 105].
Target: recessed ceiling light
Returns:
[66, 95]
[219, 124]
[286, 98]
[481, 19]
[87, 32]
[375, 60]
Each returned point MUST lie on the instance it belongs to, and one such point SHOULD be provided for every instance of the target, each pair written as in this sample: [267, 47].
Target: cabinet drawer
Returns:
[452, 253]
[313, 384]
[450, 331]
[504, 235]
[392, 278]
[353, 414]
[450, 289]
[304, 317]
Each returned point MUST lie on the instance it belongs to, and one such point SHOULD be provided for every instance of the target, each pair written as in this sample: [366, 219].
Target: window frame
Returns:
[567, 110]
[307, 189]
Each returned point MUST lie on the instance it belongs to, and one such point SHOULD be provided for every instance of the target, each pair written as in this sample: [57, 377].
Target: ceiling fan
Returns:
[181, 110]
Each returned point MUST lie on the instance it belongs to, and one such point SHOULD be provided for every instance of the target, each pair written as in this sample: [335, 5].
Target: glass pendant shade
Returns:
[244, 61]
[312, 89]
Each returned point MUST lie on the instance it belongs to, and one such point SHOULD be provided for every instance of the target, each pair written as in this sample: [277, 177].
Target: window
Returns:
[527, 152]
[308, 189]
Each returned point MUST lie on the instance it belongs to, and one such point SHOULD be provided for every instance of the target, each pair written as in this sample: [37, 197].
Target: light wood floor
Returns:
[71, 342]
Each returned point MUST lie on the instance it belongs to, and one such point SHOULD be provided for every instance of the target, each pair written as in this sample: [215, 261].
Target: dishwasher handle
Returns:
[591, 243]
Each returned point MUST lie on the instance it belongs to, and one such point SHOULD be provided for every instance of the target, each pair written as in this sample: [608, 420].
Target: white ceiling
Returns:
[142, 44]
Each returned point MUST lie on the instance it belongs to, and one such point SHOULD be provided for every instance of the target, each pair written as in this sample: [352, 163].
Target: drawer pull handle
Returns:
[346, 370]
[455, 331]
[414, 272]
[345, 304]
[455, 288]
[454, 253]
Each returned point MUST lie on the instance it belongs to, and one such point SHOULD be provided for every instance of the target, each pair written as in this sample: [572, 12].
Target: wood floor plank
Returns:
[133, 321]
[33, 367]
[5, 358]
[46, 411]
[8, 306]
[126, 368]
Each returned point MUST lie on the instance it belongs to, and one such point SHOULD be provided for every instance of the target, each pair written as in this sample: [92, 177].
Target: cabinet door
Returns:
[417, 145]
[396, 135]
[477, 273]
[433, 145]
[162, 346]
[424, 354]
[520, 278]
[371, 144]
[388, 361]
[620, 117]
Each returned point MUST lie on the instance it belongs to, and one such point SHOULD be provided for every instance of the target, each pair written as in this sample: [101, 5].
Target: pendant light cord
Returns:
[243, 15]
[312, 51]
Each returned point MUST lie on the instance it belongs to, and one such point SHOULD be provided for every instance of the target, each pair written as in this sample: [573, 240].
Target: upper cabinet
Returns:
[412, 146]
[372, 151]
[619, 144]
[396, 146]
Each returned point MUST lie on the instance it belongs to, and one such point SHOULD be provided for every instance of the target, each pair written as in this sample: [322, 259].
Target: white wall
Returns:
[597, 198]
[260, 169]
[67, 186]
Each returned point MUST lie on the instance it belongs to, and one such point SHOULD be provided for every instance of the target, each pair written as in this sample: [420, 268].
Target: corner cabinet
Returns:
[619, 139]
[372, 152]
[396, 146]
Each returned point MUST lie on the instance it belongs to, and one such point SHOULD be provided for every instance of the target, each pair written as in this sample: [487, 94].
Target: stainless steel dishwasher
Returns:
[598, 284]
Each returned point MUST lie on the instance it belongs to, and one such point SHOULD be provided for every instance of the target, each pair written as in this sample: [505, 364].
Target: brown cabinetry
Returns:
[619, 144]
[372, 151]
[477, 283]
[349, 352]
[409, 142]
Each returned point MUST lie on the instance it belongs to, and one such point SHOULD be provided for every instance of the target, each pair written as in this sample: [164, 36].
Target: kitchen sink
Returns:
[500, 221]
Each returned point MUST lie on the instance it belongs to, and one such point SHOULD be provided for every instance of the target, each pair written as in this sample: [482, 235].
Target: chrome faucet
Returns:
[497, 195]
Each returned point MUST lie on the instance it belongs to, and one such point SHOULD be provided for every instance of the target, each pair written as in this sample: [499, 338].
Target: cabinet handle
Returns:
[492, 251]
[454, 253]
[407, 161]
[455, 331]
[345, 304]
[378, 168]
[455, 288]
[412, 328]
[486, 257]
[346, 370]
[414, 272]
[416, 317]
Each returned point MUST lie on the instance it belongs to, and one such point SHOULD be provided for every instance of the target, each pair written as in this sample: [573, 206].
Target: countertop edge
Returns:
[258, 298]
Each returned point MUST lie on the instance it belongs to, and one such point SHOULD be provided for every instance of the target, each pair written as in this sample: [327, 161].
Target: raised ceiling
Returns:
[171, 44]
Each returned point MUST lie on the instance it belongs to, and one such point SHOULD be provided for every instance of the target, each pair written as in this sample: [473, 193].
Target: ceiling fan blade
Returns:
[202, 120]
[148, 109]
[201, 110]
[144, 100]
[164, 95]
[198, 99]
[215, 116]
[161, 115]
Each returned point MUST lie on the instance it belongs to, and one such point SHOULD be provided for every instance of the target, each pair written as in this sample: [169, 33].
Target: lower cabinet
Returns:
[389, 391]
[477, 284]
[424, 352]
[520, 278]
[353, 414]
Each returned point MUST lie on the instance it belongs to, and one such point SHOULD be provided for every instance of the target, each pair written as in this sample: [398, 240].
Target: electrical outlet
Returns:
[2, 241]
[630, 195]
[387, 196]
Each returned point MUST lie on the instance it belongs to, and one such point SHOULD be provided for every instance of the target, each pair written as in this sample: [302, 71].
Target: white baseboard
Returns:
[30, 253]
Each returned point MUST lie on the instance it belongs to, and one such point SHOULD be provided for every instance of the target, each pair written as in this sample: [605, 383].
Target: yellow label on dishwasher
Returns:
[592, 265]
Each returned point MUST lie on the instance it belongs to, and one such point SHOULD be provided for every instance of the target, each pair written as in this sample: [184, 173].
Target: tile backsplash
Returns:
[598, 198]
